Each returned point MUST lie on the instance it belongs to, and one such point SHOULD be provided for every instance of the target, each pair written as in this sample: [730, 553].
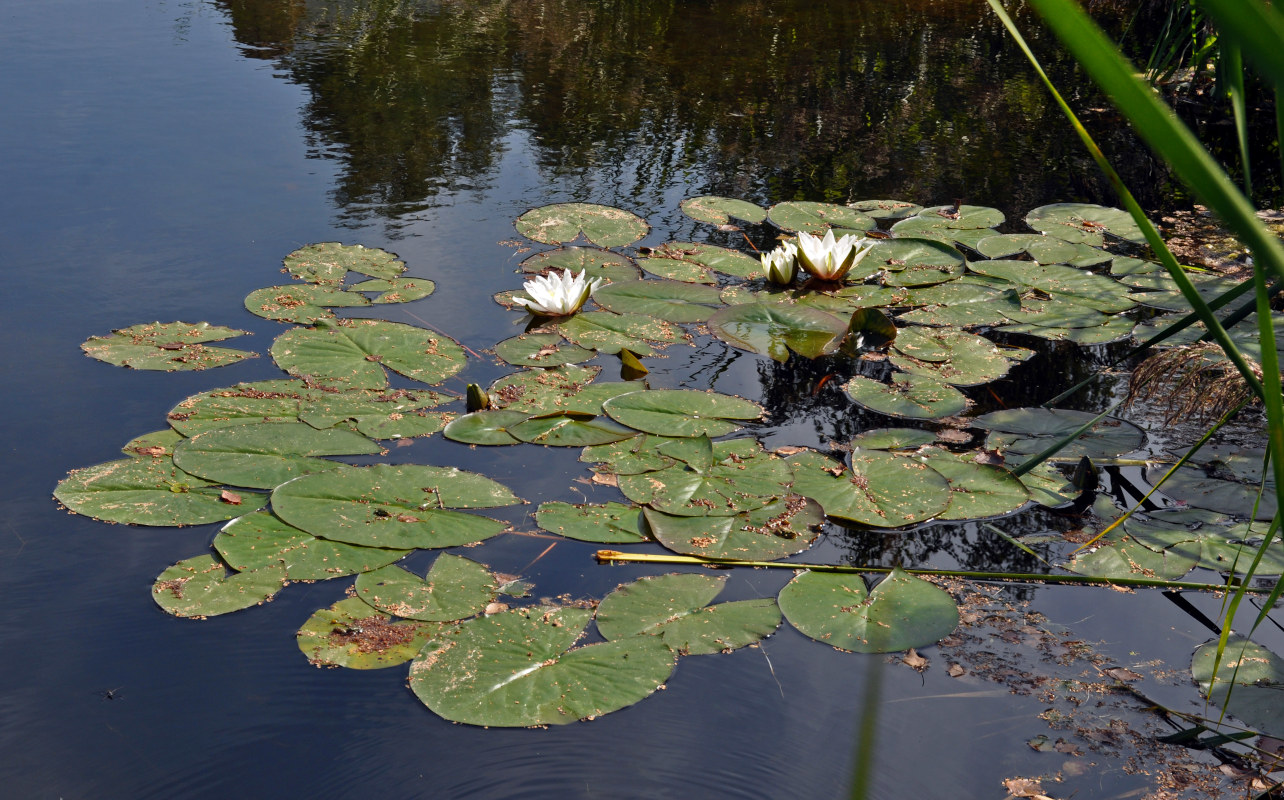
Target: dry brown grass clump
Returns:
[1193, 381]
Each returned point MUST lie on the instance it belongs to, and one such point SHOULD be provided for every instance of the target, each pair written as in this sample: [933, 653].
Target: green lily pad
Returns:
[395, 506]
[780, 528]
[631, 456]
[908, 396]
[398, 425]
[604, 226]
[353, 353]
[541, 350]
[879, 490]
[455, 588]
[262, 539]
[893, 439]
[1048, 487]
[1116, 329]
[569, 429]
[1043, 249]
[1215, 547]
[352, 634]
[1084, 223]
[265, 455]
[675, 608]
[150, 491]
[485, 427]
[610, 333]
[671, 301]
[976, 490]
[1062, 282]
[1193, 486]
[729, 487]
[519, 669]
[776, 329]
[372, 412]
[395, 290]
[1058, 314]
[301, 303]
[886, 209]
[611, 523]
[695, 263]
[901, 612]
[1128, 558]
[719, 210]
[201, 587]
[1247, 683]
[681, 412]
[535, 391]
[260, 401]
[166, 346]
[818, 217]
[960, 305]
[157, 444]
[969, 360]
[913, 262]
[1017, 432]
[594, 263]
[328, 263]
[962, 216]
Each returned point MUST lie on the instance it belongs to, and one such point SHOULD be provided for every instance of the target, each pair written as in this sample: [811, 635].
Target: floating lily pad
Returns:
[1215, 547]
[901, 612]
[1128, 558]
[963, 216]
[671, 301]
[150, 491]
[777, 329]
[954, 357]
[606, 332]
[719, 210]
[893, 439]
[908, 396]
[372, 412]
[880, 490]
[569, 429]
[1058, 281]
[1058, 314]
[681, 412]
[631, 456]
[201, 587]
[976, 490]
[353, 353]
[1247, 683]
[1193, 486]
[675, 608]
[1043, 249]
[485, 427]
[328, 263]
[166, 346]
[157, 444]
[818, 217]
[519, 668]
[538, 390]
[696, 263]
[1048, 487]
[594, 263]
[959, 305]
[396, 290]
[611, 523]
[1084, 223]
[305, 303]
[260, 401]
[729, 487]
[886, 209]
[1017, 432]
[395, 506]
[778, 529]
[604, 226]
[455, 588]
[262, 539]
[352, 634]
[398, 425]
[541, 350]
[913, 262]
[265, 455]
[1116, 329]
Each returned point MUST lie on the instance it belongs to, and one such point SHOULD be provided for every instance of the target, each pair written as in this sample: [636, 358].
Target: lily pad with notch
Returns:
[817, 218]
[455, 588]
[265, 455]
[907, 396]
[485, 427]
[604, 226]
[681, 412]
[610, 333]
[354, 353]
[259, 401]
[911, 261]
[1061, 282]
[976, 490]
[893, 439]
[879, 490]
[328, 263]
[157, 444]
[352, 634]
[695, 263]
[950, 356]
[959, 305]
[570, 429]
[777, 329]
[594, 263]
[202, 587]
[395, 290]
[1247, 683]
[671, 301]
[300, 303]
[726, 487]
[780, 528]
[1023, 432]
[1042, 249]
[166, 347]
[719, 210]
[1084, 223]
[150, 491]
[262, 539]
[541, 350]
[609, 523]
[675, 607]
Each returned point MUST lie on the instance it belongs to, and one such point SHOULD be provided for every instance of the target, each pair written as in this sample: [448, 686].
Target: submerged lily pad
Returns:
[594, 263]
[880, 490]
[353, 353]
[455, 588]
[681, 412]
[778, 529]
[262, 539]
[719, 210]
[908, 396]
[611, 523]
[818, 217]
[518, 669]
[1248, 682]
[1084, 223]
[301, 303]
[263, 456]
[352, 634]
[777, 329]
[150, 491]
[901, 612]
[166, 346]
[541, 350]
[396, 506]
[671, 301]
[328, 263]
[675, 608]
[201, 587]
[604, 226]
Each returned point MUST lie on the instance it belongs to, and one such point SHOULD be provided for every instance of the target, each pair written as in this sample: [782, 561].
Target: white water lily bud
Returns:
[827, 258]
[781, 264]
[558, 294]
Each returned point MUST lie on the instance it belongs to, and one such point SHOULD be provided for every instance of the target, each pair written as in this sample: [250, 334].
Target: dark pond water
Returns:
[159, 160]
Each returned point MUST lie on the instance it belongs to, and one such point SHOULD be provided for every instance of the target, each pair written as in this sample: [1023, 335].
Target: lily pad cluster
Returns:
[923, 304]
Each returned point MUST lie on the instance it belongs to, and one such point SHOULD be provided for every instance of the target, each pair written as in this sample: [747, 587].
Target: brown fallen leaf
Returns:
[231, 498]
[495, 608]
[913, 660]
[1123, 674]
[788, 450]
[955, 671]
[154, 450]
[605, 479]
[1024, 787]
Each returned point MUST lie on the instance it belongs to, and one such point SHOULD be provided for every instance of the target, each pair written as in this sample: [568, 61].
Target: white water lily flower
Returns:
[830, 259]
[555, 295]
[781, 264]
